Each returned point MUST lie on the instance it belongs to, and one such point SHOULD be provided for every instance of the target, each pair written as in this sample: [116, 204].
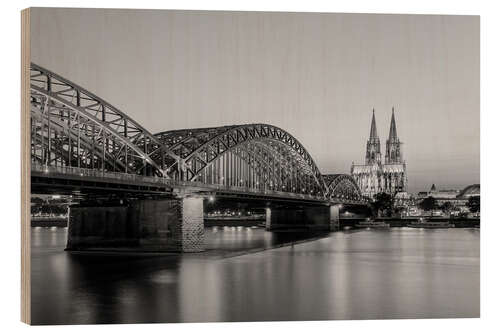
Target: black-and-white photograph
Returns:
[224, 166]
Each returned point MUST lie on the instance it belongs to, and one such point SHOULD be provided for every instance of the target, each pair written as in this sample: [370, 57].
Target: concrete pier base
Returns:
[188, 233]
[310, 218]
[144, 225]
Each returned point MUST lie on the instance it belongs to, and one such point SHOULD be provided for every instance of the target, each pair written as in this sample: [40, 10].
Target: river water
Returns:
[368, 274]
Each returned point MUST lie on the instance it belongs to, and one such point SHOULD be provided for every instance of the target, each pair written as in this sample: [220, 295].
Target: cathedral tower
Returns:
[373, 155]
[393, 145]
[376, 177]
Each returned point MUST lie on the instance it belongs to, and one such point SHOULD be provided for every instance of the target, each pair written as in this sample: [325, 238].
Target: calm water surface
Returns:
[371, 274]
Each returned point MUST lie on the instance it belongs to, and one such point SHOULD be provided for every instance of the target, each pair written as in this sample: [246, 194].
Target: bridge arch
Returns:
[97, 134]
[342, 186]
[264, 156]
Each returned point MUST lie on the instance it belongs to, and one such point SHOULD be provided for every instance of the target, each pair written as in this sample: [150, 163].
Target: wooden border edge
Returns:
[25, 169]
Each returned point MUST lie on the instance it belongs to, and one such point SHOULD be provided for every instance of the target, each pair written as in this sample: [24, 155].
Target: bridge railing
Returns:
[256, 191]
[95, 173]
[82, 172]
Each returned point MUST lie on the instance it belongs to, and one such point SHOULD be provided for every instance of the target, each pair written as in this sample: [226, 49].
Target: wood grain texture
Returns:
[25, 169]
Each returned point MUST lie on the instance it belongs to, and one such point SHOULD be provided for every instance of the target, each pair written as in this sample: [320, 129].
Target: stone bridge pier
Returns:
[311, 218]
[173, 225]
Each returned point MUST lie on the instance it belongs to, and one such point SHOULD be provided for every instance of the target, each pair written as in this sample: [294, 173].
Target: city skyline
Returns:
[320, 83]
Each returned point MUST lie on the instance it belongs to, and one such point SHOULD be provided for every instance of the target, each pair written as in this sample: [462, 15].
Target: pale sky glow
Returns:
[317, 76]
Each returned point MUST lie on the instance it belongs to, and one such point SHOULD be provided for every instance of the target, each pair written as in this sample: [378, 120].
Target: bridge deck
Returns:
[51, 179]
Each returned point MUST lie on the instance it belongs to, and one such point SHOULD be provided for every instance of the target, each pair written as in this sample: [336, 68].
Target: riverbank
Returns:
[220, 221]
[259, 221]
[49, 221]
[398, 222]
[237, 221]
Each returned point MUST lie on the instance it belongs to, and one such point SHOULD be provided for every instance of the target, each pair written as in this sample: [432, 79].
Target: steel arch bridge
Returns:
[72, 127]
[257, 156]
[342, 186]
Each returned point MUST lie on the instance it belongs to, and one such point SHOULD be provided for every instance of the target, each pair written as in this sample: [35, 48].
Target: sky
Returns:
[316, 75]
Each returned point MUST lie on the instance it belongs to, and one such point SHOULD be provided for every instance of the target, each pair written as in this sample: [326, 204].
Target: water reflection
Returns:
[396, 273]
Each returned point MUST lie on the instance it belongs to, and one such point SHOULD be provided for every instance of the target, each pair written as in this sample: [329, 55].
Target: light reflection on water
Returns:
[396, 273]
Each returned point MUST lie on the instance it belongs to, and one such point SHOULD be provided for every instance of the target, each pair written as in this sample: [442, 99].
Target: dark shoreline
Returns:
[404, 222]
[250, 222]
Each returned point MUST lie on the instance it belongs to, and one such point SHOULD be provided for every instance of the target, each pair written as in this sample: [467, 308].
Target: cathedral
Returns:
[376, 176]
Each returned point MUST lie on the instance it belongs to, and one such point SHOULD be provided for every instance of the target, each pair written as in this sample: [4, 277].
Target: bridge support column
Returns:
[310, 218]
[334, 218]
[97, 227]
[173, 225]
[188, 233]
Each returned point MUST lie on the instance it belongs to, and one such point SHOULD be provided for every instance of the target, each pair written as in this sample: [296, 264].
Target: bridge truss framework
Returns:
[72, 127]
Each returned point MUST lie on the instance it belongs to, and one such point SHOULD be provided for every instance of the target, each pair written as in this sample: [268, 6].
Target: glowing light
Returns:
[211, 198]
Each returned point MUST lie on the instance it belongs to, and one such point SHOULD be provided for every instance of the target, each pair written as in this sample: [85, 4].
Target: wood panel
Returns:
[25, 169]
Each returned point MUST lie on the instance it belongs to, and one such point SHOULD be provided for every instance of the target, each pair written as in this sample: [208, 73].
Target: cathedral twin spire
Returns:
[373, 129]
[377, 175]
[393, 145]
[373, 155]
[392, 132]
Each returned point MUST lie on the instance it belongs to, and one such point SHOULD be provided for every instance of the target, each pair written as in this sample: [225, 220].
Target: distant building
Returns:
[403, 200]
[442, 194]
[457, 199]
[376, 176]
